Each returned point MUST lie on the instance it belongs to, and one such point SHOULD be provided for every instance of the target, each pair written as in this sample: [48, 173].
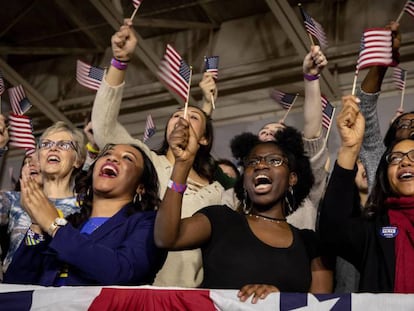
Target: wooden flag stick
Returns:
[212, 101]
[403, 92]
[135, 11]
[401, 13]
[290, 107]
[330, 125]
[188, 93]
[355, 81]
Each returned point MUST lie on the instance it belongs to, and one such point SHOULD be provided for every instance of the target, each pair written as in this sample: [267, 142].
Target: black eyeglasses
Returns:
[397, 157]
[271, 160]
[405, 123]
[60, 144]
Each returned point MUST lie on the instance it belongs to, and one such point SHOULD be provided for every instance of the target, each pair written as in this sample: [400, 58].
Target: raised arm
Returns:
[106, 127]
[171, 231]
[369, 93]
[313, 64]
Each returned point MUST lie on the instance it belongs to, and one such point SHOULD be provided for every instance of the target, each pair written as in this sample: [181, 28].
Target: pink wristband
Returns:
[180, 188]
[310, 77]
[119, 64]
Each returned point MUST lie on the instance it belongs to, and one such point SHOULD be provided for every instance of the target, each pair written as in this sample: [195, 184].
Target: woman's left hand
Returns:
[258, 291]
[36, 204]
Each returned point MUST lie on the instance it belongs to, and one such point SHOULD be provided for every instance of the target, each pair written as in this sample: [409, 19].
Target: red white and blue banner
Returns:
[94, 298]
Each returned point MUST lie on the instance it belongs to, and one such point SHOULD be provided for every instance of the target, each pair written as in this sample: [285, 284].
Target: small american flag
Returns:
[149, 128]
[284, 99]
[18, 100]
[89, 76]
[314, 28]
[327, 112]
[2, 87]
[21, 132]
[399, 76]
[136, 3]
[409, 7]
[211, 65]
[174, 71]
[376, 48]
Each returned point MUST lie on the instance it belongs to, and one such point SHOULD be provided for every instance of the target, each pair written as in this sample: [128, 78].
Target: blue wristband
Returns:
[311, 77]
[180, 188]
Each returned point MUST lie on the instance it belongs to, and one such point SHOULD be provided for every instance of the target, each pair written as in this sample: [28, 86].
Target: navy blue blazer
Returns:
[121, 251]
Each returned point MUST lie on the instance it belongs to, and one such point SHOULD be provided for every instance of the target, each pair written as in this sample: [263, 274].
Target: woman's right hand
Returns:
[183, 141]
[124, 42]
[258, 291]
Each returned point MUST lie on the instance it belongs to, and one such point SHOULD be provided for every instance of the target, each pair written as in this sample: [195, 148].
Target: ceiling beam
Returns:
[170, 23]
[142, 51]
[12, 50]
[36, 99]
[295, 31]
[73, 14]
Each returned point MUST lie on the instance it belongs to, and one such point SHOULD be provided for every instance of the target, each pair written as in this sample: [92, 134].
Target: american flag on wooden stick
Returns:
[175, 72]
[327, 112]
[149, 128]
[286, 100]
[89, 76]
[18, 100]
[375, 49]
[21, 132]
[211, 65]
[314, 28]
[399, 76]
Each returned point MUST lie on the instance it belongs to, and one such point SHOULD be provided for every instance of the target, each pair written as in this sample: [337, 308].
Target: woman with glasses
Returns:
[109, 242]
[61, 153]
[253, 249]
[378, 242]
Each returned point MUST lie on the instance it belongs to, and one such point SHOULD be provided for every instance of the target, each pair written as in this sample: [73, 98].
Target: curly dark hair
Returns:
[289, 141]
[204, 163]
[83, 187]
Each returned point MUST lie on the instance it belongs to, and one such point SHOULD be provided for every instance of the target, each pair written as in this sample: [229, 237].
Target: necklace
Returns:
[267, 218]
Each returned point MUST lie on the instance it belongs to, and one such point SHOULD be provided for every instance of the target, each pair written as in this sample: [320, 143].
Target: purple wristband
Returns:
[310, 77]
[180, 188]
[119, 64]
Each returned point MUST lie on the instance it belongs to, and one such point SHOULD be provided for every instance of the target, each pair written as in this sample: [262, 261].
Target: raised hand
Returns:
[124, 42]
[183, 141]
[314, 61]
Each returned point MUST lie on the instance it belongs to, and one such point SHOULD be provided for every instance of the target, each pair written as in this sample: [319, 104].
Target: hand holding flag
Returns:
[375, 50]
